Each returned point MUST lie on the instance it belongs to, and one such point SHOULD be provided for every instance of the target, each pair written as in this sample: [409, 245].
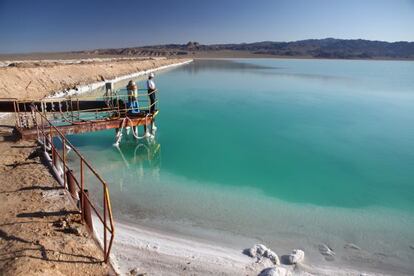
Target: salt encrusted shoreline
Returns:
[34, 81]
[92, 86]
[89, 87]
[148, 250]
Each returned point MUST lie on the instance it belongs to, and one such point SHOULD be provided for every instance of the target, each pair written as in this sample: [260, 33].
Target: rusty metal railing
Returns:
[46, 131]
[116, 108]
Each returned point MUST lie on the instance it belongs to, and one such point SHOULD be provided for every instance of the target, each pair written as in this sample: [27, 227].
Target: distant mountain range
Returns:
[311, 48]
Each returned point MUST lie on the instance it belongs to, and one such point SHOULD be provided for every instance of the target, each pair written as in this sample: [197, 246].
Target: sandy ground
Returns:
[40, 230]
[35, 80]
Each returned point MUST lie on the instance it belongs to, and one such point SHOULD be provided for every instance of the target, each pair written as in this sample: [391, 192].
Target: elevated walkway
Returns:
[79, 115]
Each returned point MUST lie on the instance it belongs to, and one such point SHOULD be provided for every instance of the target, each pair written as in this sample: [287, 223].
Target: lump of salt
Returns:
[296, 256]
[260, 251]
[275, 271]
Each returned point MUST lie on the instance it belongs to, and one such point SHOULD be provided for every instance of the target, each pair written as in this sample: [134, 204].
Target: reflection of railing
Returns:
[46, 131]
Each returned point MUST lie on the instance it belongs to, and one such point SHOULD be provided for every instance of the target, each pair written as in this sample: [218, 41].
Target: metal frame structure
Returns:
[109, 112]
[46, 130]
[72, 115]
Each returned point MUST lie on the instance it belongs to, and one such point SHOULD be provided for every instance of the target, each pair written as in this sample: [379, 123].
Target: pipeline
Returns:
[148, 134]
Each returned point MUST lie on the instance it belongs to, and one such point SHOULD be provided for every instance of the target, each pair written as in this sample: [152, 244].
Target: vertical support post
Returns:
[50, 135]
[117, 104]
[18, 114]
[36, 122]
[78, 110]
[82, 198]
[64, 162]
[71, 109]
[54, 157]
[43, 133]
[104, 224]
[15, 113]
[52, 106]
[87, 211]
[71, 184]
[54, 161]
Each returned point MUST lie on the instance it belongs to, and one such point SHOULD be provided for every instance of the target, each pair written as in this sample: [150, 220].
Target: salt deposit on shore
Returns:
[32, 81]
[38, 62]
[89, 87]
[146, 250]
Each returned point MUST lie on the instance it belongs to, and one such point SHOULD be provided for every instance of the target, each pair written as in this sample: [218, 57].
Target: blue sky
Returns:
[61, 25]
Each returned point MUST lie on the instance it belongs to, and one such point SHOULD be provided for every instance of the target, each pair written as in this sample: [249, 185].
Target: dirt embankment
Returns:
[40, 229]
[35, 80]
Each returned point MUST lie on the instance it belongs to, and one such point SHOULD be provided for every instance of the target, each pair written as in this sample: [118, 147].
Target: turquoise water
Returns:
[320, 149]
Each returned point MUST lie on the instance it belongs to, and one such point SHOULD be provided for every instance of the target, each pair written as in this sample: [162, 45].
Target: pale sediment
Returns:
[153, 252]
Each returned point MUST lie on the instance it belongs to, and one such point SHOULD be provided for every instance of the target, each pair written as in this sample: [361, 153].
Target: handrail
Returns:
[28, 115]
[45, 138]
[117, 107]
[80, 97]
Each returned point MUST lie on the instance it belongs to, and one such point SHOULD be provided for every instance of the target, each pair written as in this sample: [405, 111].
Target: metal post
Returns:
[37, 123]
[50, 135]
[43, 132]
[15, 113]
[104, 224]
[71, 184]
[71, 109]
[78, 110]
[117, 103]
[54, 157]
[18, 115]
[87, 211]
[82, 199]
[64, 162]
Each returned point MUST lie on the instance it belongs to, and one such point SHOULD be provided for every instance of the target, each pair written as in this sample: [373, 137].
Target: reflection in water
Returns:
[221, 65]
[199, 66]
[144, 158]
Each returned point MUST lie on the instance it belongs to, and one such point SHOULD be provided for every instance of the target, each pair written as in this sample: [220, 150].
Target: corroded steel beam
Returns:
[88, 126]
[62, 105]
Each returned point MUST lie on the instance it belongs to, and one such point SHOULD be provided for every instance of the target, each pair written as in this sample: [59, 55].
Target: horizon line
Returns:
[194, 41]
